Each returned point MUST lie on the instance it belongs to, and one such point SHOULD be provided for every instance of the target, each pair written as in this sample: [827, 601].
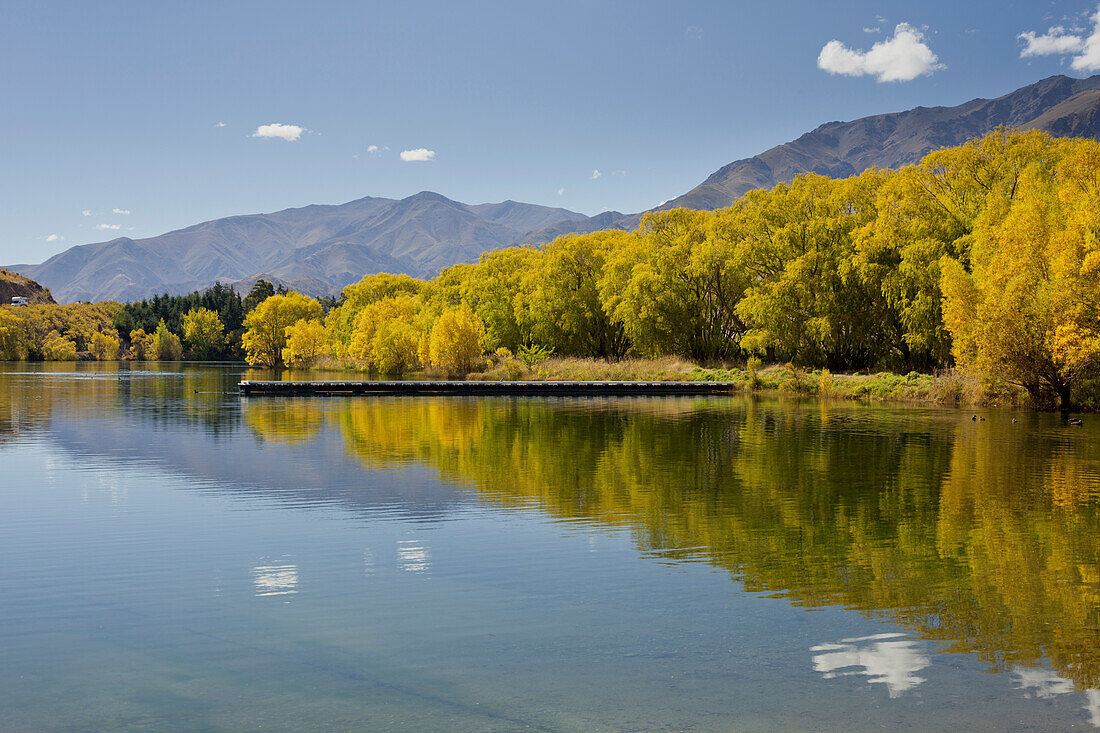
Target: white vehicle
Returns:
[19, 300]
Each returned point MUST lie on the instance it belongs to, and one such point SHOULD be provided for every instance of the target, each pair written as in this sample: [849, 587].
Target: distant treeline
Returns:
[985, 256]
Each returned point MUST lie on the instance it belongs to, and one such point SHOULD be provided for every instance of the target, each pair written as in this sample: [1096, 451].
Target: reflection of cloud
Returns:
[1092, 707]
[887, 658]
[413, 557]
[275, 580]
[1047, 683]
[1044, 682]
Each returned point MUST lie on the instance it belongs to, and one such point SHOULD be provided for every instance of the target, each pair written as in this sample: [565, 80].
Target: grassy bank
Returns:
[948, 388]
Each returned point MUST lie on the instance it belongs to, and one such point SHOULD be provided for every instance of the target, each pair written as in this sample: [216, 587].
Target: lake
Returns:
[178, 557]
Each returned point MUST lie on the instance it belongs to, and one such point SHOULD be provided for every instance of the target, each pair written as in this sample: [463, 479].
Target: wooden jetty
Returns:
[449, 387]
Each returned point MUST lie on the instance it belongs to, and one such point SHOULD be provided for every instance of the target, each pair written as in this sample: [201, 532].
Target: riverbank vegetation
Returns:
[983, 258]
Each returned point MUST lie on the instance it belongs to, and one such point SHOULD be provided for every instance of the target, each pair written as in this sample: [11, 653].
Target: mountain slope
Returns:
[316, 249]
[1059, 105]
[15, 285]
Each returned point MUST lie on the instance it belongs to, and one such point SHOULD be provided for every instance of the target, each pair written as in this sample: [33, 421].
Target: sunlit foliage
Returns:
[31, 332]
[165, 345]
[104, 346]
[203, 331]
[457, 341]
[267, 324]
[305, 343]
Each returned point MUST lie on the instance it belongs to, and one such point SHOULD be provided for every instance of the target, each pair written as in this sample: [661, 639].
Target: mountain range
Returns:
[319, 249]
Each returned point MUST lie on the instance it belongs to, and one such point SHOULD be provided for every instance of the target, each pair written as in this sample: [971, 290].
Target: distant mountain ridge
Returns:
[1059, 105]
[314, 249]
[319, 249]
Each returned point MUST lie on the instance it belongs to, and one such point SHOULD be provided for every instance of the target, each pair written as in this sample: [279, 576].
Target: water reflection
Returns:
[982, 536]
[890, 659]
[413, 557]
[976, 537]
[1043, 683]
[278, 579]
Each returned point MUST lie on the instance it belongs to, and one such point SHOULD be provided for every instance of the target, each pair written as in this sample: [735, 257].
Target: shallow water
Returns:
[177, 557]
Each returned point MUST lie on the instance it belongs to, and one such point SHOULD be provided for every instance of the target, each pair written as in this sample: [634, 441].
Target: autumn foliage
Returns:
[983, 256]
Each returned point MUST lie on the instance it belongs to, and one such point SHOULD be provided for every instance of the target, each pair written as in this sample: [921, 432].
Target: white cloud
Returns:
[693, 31]
[372, 148]
[54, 238]
[875, 29]
[86, 212]
[561, 191]
[902, 57]
[417, 154]
[596, 174]
[108, 226]
[1054, 42]
[124, 212]
[219, 124]
[1058, 41]
[130, 229]
[290, 133]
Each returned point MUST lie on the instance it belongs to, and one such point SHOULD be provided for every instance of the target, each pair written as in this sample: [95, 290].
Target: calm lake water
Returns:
[177, 557]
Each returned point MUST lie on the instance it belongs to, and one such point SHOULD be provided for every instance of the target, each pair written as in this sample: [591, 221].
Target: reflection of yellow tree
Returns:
[982, 539]
[284, 421]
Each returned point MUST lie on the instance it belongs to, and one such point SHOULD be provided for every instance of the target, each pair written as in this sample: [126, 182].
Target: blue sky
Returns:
[135, 118]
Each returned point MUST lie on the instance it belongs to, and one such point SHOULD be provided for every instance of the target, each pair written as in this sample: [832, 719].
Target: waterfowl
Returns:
[1075, 421]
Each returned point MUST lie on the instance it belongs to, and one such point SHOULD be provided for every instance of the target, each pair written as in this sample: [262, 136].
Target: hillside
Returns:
[13, 285]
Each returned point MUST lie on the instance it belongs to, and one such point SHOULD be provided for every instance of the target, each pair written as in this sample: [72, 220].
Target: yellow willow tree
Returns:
[305, 343]
[807, 301]
[340, 322]
[457, 342]
[13, 335]
[56, 347]
[265, 338]
[104, 346]
[141, 345]
[674, 286]
[559, 304]
[203, 331]
[931, 210]
[164, 345]
[376, 339]
[1028, 310]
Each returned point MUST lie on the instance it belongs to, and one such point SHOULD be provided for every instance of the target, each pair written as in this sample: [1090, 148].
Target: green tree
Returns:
[261, 291]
